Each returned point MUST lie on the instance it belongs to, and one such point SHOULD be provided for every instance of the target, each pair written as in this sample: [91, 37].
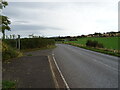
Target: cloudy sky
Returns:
[57, 17]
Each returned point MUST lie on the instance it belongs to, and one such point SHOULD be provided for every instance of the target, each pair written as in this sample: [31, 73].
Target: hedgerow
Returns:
[9, 52]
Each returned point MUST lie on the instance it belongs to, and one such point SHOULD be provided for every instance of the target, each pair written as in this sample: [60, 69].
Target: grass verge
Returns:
[105, 51]
[7, 85]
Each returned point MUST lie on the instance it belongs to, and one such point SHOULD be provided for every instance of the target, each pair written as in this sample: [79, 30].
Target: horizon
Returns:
[16, 36]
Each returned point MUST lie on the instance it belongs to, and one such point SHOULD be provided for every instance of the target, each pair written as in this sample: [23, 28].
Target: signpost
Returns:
[19, 42]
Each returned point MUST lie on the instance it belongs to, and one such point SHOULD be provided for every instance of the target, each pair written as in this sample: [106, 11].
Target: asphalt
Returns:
[86, 69]
[30, 71]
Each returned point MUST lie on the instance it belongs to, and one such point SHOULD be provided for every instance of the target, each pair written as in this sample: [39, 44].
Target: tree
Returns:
[4, 20]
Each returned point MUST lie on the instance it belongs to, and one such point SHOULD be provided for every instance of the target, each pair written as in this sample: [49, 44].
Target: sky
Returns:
[50, 18]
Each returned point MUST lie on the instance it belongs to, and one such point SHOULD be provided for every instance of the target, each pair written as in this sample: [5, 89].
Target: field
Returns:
[108, 42]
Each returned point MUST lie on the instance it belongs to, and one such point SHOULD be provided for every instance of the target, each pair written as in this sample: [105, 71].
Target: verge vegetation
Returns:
[107, 45]
[8, 85]
[32, 43]
[91, 43]
[101, 50]
[9, 46]
[8, 52]
[108, 42]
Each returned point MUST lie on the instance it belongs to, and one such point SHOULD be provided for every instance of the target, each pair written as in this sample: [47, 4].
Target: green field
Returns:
[108, 42]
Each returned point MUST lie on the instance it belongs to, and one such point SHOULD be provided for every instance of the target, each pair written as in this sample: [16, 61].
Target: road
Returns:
[86, 69]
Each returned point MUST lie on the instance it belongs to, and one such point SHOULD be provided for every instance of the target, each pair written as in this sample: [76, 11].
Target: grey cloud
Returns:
[30, 5]
[12, 12]
[24, 12]
[50, 5]
[33, 27]
[21, 21]
[18, 9]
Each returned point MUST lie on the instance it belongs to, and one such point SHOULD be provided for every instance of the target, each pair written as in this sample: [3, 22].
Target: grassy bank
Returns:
[101, 50]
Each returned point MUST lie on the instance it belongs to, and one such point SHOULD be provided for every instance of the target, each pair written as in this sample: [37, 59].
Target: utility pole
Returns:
[19, 42]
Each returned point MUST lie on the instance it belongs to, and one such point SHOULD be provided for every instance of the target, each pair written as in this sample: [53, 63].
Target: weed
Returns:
[6, 85]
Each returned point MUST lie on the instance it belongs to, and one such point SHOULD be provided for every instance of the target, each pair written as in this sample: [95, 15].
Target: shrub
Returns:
[10, 42]
[100, 45]
[94, 44]
[30, 43]
[9, 52]
[6, 85]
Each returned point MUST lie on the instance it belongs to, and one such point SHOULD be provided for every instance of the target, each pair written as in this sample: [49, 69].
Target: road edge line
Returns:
[61, 73]
[53, 74]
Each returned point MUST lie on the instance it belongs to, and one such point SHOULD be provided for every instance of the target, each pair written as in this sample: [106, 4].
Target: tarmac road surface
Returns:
[86, 69]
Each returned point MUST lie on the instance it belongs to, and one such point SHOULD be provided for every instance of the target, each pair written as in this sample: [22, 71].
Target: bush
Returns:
[6, 85]
[30, 43]
[9, 52]
[10, 42]
[100, 45]
[94, 44]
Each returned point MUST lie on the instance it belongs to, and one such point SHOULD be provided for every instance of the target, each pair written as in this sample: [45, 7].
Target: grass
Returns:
[105, 51]
[7, 85]
[108, 42]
